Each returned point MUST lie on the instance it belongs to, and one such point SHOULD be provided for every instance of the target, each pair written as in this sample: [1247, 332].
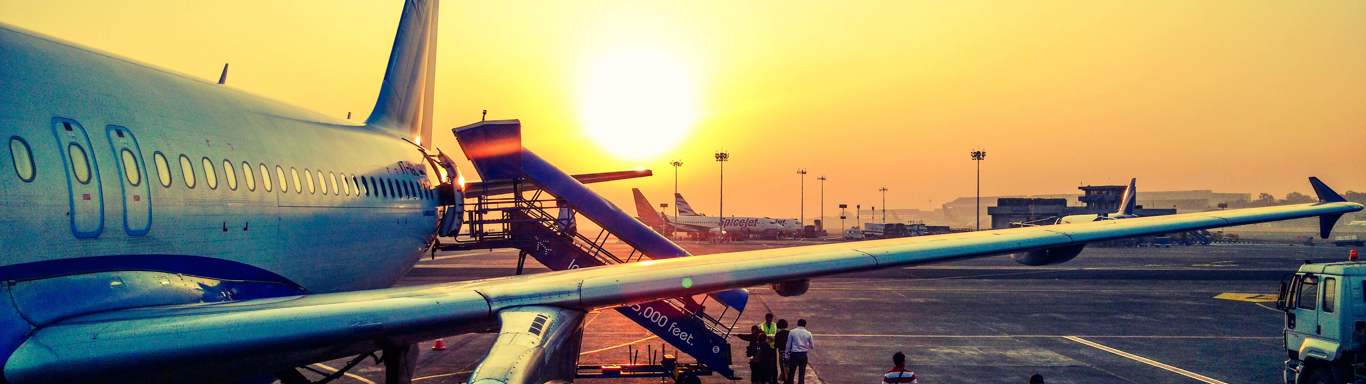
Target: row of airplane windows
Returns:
[338, 184]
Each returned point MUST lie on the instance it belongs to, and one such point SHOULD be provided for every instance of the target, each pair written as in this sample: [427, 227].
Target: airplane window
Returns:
[248, 177]
[383, 187]
[365, 185]
[346, 185]
[130, 168]
[408, 189]
[355, 186]
[187, 171]
[332, 179]
[210, 176]
[80, 165]
[23, 158]
[229, 174]
[322, 185]
[298, 184]
[309, 176]
[163, 169]
[280, 177]
[265, 177]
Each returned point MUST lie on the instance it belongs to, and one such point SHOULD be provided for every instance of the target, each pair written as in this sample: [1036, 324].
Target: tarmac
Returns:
[1113, 315]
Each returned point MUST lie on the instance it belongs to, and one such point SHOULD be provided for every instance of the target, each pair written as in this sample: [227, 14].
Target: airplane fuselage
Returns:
[113, 167]
[734, 223]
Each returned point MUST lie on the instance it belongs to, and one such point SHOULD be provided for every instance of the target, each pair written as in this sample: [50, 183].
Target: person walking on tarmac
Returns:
[780, 342]
[899, 373]
[799, 344]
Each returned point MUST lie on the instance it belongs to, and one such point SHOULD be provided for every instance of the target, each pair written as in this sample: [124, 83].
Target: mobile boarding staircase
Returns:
[543, 225]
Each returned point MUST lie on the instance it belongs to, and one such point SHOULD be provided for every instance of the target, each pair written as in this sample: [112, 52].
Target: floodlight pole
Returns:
[978, 156]
[884, 203]
[801, 218]
[721, 158]
[676, 164]
[822, 180]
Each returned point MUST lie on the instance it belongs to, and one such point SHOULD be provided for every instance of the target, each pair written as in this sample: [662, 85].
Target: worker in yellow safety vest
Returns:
[769, 327]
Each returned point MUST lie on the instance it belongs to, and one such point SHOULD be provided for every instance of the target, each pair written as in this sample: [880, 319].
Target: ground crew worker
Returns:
[770, 329]
[899, 373]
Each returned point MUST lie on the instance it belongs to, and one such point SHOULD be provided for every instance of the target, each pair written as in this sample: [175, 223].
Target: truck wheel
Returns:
[1318, 374]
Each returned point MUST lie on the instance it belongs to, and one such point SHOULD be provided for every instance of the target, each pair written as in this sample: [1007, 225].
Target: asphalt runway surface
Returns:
[1113, 315]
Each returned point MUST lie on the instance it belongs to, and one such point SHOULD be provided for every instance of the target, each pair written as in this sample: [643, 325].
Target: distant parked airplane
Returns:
[700, 225]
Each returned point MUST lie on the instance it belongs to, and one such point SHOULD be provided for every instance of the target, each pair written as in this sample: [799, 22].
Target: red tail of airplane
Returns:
[646, 212]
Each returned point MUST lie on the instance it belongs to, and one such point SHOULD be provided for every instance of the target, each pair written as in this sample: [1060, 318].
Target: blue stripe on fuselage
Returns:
[184, 264]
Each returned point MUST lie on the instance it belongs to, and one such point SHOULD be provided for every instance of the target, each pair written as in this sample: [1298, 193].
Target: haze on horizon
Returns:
[1233, 96]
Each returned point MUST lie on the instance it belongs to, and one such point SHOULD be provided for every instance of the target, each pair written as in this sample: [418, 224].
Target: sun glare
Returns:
[637, 104]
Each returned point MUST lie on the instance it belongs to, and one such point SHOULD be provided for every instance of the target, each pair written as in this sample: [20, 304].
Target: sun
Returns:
[637, 104]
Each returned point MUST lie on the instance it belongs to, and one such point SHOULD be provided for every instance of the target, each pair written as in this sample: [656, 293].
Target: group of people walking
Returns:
[778, 354]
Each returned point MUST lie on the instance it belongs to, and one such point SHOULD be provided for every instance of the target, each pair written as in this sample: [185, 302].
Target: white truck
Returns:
[1325, 323]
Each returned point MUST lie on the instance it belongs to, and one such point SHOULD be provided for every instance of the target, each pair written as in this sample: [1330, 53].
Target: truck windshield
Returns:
[1308, 294]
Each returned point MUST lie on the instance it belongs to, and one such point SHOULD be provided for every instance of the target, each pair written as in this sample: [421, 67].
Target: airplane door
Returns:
[137, 196]
[86, 208]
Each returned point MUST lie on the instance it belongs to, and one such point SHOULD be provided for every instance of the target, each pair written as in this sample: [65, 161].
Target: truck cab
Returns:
[1325, 323]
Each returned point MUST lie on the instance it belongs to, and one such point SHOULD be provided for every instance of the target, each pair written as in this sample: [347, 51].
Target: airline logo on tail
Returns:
[646, 212]
[683, 208]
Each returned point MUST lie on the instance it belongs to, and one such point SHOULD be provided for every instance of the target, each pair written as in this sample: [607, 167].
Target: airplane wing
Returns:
[184, 341]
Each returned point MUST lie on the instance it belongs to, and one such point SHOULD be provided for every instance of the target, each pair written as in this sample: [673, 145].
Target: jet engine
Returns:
[1048, 256]
[792, 287]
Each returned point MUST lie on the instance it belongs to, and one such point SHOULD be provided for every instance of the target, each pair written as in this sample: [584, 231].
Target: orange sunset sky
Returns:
[1235, 96]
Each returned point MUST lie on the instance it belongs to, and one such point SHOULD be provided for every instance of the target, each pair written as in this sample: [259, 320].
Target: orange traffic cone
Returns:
[439, 345]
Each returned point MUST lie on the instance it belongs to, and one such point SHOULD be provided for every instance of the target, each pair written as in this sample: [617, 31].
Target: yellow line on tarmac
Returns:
[1144, 360]
[348, 374]
[1248, 297]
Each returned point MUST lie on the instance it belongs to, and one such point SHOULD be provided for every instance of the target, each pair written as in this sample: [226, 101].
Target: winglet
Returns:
[1130, 199]
[1326, 195]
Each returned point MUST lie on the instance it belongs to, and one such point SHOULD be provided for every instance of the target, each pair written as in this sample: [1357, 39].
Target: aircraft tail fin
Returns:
[1326, 195]
[1129, 202]
[683, 208]
[646, 212]
[404, 106]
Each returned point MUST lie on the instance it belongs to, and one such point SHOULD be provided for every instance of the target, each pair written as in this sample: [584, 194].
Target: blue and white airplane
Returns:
[161, 228]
